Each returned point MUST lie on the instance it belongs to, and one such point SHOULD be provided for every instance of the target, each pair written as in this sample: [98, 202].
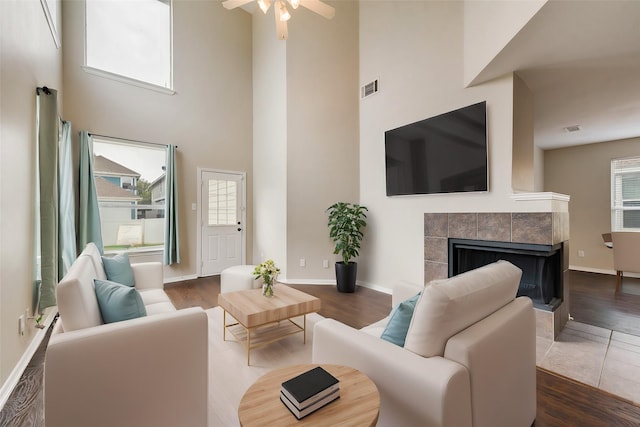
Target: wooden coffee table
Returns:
[261, 320]
[358, 405]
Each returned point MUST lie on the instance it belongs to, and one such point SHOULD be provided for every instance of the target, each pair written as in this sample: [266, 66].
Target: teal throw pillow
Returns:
[399, 320]
[118, 269]
[118, 302]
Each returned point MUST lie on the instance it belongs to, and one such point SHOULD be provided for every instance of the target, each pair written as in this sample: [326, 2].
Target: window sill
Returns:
[136, 251]
[127, 80]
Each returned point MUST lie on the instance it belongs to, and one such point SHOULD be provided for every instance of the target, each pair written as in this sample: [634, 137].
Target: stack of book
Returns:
[309, 391]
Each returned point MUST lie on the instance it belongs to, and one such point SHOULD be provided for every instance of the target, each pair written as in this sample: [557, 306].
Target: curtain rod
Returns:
[129, 140]
[45, 90]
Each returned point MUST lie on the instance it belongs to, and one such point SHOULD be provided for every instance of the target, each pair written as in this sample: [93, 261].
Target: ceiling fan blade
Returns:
[318, 7]
[232, 4]
[281, 26]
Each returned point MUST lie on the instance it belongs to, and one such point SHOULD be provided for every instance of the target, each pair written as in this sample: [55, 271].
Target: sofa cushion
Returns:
[399, 320]
[449, 306]
[92, 251]
[153, 296]
[76, 297]
[118, 302]
[118, 269]
[159, 308]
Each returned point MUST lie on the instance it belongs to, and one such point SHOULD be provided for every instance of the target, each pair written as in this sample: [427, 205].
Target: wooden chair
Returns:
[626, 254]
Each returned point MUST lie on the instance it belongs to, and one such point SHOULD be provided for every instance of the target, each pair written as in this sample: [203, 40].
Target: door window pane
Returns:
[222, 202]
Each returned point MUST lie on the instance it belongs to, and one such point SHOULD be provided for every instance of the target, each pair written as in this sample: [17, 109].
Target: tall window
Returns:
[625, 194]
[130, 182]
[130, 38]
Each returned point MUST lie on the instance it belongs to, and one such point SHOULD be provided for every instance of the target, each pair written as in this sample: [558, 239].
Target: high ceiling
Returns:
[581, 60]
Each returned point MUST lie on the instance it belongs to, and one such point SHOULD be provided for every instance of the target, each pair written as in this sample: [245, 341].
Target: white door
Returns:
[222, 235]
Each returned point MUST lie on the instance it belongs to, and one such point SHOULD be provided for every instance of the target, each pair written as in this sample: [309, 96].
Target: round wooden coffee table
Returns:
[358, 405]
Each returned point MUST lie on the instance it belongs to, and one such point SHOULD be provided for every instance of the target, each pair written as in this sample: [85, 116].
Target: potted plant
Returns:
[346, 221]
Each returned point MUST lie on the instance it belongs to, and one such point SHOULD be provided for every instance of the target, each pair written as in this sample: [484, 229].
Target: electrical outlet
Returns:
[303, 262]
[580, 253]
[325, 263]
[22, 324]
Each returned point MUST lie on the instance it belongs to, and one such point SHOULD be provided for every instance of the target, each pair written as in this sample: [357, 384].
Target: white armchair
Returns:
[485, 376]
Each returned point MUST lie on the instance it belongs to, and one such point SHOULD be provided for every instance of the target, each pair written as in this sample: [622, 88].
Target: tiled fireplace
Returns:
[534, 231]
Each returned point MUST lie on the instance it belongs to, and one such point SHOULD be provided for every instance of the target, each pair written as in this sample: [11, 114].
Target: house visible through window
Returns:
[625, 194]
[130, 38]
[130, 182]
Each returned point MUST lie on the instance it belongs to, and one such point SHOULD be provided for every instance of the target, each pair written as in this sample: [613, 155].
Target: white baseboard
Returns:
[375, 287]
[16, 373]
[601, 271]
[179, 278]
[591, 270]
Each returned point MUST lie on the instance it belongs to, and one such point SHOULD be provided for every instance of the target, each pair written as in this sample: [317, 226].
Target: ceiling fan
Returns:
[281, 12]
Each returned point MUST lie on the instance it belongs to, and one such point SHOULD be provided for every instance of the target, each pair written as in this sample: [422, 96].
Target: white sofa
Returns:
[484, 375]
[148, 371]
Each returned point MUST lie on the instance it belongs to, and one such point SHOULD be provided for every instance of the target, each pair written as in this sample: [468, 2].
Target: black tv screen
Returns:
[441, 154]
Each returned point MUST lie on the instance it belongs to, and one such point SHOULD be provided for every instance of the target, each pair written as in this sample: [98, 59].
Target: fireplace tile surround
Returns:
[546, 228]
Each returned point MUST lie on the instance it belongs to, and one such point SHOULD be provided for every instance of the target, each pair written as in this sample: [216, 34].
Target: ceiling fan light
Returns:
[284, 13]
[264, 5]
[294, 3]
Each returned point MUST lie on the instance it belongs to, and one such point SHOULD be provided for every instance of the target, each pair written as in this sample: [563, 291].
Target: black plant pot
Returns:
[346, 276]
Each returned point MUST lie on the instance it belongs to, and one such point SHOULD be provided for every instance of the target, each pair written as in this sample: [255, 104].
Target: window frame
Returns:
[617, 205]
[141, 250]
[130, 80]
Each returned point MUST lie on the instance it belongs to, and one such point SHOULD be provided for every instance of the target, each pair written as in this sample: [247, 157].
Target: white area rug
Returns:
[229, 374]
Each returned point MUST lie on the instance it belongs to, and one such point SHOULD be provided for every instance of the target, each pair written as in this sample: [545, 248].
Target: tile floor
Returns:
[599, 357]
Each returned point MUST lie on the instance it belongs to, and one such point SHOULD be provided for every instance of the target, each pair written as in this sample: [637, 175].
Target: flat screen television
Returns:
[441, 154]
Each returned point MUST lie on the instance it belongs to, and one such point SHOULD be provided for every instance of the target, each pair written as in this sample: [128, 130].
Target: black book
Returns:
[309, 386]
[301, 413]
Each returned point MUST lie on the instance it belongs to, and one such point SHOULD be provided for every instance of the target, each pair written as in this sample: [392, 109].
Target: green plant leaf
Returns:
[345, 223]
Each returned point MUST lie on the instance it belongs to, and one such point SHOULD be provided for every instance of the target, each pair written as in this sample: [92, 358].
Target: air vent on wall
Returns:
[369, 89]
[574, 128]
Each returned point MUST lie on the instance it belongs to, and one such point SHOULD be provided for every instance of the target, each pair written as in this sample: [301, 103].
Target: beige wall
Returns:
[416, 49]
[28, 59]
[538, 169]
[209, 117]
[489, 27]
[523, 178]
[584, 173]
[305, 136]
[322, 162]
[269, 142]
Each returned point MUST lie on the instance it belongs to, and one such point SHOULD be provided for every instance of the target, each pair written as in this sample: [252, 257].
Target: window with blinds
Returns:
[625, 194]
[223, 196]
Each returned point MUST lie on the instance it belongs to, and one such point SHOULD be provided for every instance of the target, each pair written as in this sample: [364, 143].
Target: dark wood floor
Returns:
[356, 309]
[593, 301]
[561, 401]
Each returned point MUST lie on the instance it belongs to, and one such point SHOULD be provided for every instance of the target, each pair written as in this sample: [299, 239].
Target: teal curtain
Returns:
[47, 139]
[171, 241]
[89, 216]
[66, 202]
